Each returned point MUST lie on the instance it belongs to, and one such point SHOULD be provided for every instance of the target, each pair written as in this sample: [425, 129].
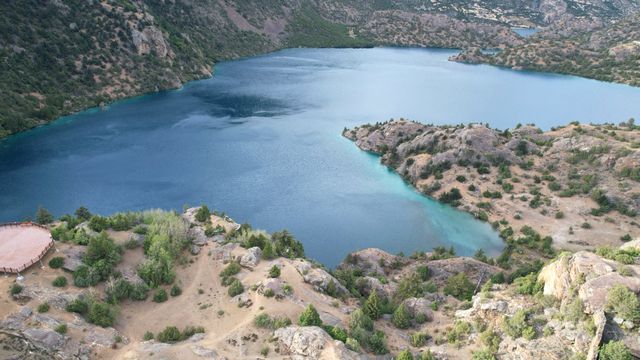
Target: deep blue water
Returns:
[261, 141]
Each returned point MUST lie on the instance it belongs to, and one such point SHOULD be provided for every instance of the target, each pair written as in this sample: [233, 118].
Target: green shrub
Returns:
[274, 271]
[515, 325]
[404, 355]
[483, 354]
[423, 272]
[43, 308]
[231, 269]
[118, 290]
[265, 321]
[170, 335]
[56, 262]
[418, 339]
[160, 296]
[236, 288]
[16, 289]
[101, 314]
[360, 320]
[203, 214]
[310, 317]
[377, 343]
[615, 350]
[624, 303]
[60, 281]
[626, 238]
[528, 285]
[61, 329]
[372, 306]
[401, 318]
[148, 335]
[139, 291]
[457, 333]
[573, 311]
[175, 290]
[269, 293]
[490, 339]
[459, 287]
[80, 306]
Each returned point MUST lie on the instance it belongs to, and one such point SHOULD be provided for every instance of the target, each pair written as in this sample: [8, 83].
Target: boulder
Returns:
[45, 339]
[311, 342]
[195, 249]
[72, 258]
[319, 278]
[419, 306]
[251, 258]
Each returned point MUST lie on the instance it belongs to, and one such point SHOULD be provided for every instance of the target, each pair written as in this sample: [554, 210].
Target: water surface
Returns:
[261, 141]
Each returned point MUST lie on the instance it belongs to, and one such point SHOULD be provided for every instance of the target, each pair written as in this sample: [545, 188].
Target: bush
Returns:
[43, 308]
[101, 314]
[372, 306]
[139, 291]
[401, 317]
[148, 335]
[490, 339]
[85, 276]
[377, 343]
[79, 306]
[118, 290]
[404, 355]
[459, 287]
[626, 238]
[624, 303]
[418, 339]
[231, 269]
[483, 354]
[16, 289]
[274, 272]
[57, 262]
[160, 296]
[515, 325]
[203, 214]
[175, 290]
[236, 288]
[360, 320]
[615, 350]
[265, 321]
[528, 285]
[61, 329]
[423, 272]
[170, 334]
[60, 281]
[310, 317]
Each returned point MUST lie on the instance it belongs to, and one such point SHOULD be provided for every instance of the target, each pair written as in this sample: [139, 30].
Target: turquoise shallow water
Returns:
[261, 141]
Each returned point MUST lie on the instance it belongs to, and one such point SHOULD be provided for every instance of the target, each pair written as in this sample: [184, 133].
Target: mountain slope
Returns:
[60, 57]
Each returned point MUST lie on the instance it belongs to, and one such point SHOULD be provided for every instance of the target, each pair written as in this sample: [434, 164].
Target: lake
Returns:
[262, 141]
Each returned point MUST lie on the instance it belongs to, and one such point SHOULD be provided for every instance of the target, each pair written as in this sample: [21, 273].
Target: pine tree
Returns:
[310, 317]
[372, 306]
[267, 251]
[401, 317]
[43, 216]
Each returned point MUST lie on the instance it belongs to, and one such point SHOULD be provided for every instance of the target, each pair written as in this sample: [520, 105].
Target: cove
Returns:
[261, 141]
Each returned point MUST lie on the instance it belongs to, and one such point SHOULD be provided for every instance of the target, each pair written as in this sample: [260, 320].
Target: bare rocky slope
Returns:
[233, 292]
[61, 57]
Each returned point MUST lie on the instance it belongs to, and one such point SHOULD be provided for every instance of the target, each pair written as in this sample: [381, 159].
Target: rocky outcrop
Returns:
[592, 276]
[151, 39]
[311, 342]
[319, 278]
[419, 306]
[251, 258]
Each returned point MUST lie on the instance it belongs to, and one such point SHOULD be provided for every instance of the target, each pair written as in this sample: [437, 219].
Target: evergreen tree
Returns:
[83, 214]
[43, 216]
[401, 317]
[372, 306]
[310, 317]
[267, 251]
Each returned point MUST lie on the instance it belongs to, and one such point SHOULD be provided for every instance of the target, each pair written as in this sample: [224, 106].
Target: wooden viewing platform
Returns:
[22, 245]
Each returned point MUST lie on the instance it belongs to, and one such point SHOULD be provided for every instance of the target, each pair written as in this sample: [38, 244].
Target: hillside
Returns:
[610, 53]
[197, 285]
[575, 187]
[61, 57]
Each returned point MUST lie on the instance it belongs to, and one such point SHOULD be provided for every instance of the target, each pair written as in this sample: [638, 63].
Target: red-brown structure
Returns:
[22, 245]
